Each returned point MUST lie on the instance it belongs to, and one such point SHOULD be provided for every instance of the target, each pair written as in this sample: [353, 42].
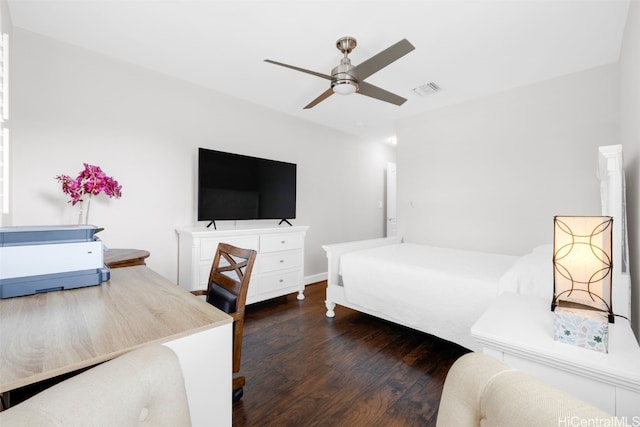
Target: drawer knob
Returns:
[281, 261]
[281, 280]
[283, 241]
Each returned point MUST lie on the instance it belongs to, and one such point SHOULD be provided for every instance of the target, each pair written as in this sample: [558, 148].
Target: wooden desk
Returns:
[50, 334]
[117, 258]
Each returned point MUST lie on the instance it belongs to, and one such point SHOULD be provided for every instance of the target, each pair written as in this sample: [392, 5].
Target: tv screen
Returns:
[235, 187]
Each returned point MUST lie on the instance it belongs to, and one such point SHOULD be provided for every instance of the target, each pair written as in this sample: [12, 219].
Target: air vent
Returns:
[427, 89]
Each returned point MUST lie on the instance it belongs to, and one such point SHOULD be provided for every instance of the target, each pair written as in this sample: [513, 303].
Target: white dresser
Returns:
[279, 266]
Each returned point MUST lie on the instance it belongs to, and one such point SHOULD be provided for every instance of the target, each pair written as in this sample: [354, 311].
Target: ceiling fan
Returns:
[346, 78]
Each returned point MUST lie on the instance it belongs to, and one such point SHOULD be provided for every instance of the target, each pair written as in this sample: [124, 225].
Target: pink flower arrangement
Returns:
[90, 181]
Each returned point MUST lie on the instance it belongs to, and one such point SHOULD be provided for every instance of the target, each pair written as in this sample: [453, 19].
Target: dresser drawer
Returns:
[279, 261]
[209, 246]
[281, 242]
[273, 282]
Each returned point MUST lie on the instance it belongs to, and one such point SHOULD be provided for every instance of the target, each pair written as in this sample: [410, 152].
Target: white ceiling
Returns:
[469, 48]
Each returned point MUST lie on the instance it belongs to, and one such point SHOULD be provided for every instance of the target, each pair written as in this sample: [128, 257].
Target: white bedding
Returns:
[436, 290]
[531, 274]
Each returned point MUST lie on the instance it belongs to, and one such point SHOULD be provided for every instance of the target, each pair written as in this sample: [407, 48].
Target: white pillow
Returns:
[531, 274]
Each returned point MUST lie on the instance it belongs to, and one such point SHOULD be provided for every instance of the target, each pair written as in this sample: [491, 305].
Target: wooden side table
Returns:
[116, 258]
[518, 330]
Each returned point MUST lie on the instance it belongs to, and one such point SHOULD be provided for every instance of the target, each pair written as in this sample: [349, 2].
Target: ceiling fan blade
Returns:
[324, 76]
[327, 93]
[381, 94]
[381, 60]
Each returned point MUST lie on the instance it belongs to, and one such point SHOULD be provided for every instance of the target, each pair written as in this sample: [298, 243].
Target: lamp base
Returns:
[583, 328]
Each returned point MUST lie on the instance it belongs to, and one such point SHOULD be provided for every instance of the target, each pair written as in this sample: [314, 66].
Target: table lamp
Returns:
[582, 271]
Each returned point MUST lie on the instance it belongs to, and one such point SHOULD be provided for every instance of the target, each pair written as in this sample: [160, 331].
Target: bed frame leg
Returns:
[330, 306]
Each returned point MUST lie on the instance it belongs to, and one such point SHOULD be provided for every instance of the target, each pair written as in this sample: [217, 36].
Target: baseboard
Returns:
[320, 277]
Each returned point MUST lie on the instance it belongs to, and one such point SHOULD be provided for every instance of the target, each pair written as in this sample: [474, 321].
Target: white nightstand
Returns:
[518, 330]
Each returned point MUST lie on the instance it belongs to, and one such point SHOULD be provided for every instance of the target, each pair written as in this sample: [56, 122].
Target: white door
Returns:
[392, 225]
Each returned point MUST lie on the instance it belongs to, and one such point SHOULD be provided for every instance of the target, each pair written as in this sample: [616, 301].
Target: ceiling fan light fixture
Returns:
[343, 82]
[347, 79]
[344, 87]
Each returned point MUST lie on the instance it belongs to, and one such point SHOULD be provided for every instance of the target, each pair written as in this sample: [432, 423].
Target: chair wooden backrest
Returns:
[227, 290]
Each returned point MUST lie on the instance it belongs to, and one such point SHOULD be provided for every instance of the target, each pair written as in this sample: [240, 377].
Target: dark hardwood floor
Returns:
[304, 369]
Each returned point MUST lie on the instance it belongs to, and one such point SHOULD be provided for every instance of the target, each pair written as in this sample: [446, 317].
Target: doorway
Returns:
[391, 220]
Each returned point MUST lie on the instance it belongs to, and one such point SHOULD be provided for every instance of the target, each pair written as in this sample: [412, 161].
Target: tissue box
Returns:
[581, 327]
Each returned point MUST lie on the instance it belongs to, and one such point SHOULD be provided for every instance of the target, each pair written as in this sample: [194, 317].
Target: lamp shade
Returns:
[582, 262]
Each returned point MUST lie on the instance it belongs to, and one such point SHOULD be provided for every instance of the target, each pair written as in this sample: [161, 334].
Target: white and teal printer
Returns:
[36, 259]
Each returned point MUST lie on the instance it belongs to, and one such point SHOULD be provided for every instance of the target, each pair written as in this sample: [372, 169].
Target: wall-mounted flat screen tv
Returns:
[237, 187]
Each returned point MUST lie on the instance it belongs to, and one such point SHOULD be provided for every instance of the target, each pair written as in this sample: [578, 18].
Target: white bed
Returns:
[443, 291]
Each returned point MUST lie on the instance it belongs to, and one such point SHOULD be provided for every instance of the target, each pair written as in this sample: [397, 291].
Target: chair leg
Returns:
[237, 386]
[237, 394]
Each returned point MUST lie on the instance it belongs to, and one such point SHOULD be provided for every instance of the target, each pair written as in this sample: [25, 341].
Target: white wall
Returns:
[490, 174]
[630, 137]
[6, 28]
[72, 106]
